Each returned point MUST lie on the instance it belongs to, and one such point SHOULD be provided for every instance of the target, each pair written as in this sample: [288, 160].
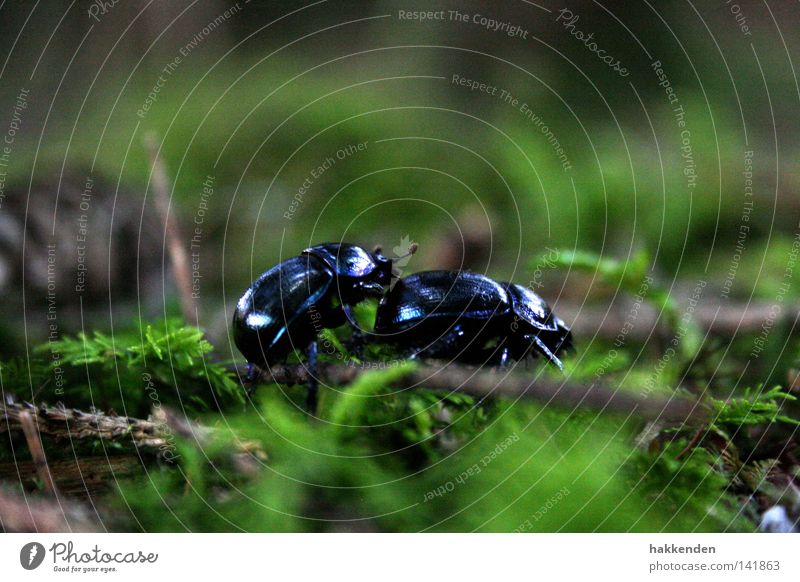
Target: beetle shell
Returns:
[359, 274]
[533, 310]
[283, 310]
[349, 260]
[530, 307]
[287, 306]
[443, 314]
[469, 318]
[424, 298]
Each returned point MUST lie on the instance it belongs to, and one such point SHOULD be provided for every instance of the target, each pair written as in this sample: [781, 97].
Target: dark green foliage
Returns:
[412, 461]
[692, 490]
[755, 407]
[23, 379]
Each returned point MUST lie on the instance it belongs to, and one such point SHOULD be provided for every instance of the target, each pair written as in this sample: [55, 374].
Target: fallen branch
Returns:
[85, 475]
[70, 423]
[562, 393]
[156, 432]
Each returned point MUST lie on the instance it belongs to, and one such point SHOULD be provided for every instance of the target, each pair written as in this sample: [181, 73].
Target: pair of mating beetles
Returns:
[459, 316]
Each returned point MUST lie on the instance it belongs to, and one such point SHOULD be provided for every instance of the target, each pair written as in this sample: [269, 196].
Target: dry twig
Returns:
[36, 449]
[563, 393]
[177, 252]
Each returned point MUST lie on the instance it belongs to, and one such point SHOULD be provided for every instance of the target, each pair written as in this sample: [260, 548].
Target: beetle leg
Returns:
[504, 357]
[358, 336]
[313, 384]
[546, 351]
[250, 380]
[348, 312]
[499, 356]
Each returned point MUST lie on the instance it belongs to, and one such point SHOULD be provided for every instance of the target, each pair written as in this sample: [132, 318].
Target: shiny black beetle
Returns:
[288, 305]
[469, 318]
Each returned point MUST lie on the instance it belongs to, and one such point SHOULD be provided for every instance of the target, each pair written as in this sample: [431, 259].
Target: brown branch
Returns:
[177, 252]
[69, 423]
[36, 449]
[693, 443]
[725, 320]
[556, 392]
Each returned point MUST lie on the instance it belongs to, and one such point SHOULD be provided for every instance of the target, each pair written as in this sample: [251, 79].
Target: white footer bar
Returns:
[406, 557]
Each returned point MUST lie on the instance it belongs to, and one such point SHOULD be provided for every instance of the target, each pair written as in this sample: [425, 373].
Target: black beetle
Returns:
[288, 305]
[470, 318]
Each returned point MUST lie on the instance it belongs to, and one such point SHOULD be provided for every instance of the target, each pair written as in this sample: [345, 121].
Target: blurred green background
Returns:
[265, 95]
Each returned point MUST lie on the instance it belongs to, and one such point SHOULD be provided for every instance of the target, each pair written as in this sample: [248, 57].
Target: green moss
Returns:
[394, 459]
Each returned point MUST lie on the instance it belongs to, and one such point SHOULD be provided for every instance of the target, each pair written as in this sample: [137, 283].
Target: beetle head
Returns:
[382, 275]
